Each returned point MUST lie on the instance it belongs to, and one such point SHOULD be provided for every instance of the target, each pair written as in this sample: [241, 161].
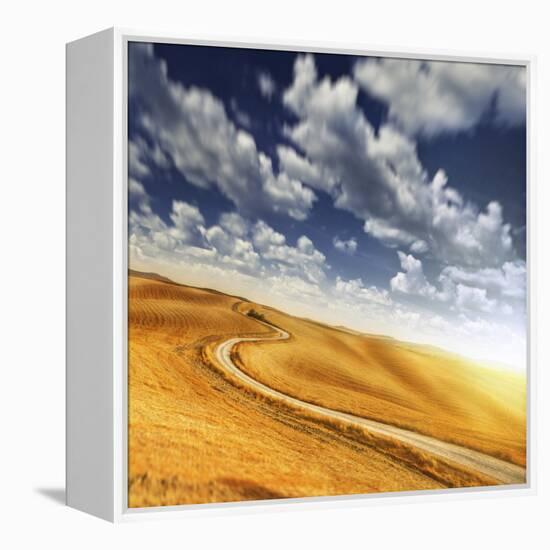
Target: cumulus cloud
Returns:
[266, 85]
[186, 219]
[236, 251]
[298, 167]
[489, 290]
[465, 235]
[303, 259]
[234, 223]
[136, 189]
[234, 242]
[430, 97]
[507, 281]
[284, 194]
[354, 289]
[150, 233]
[454, 232]
[499, 290]
[305, 75]
[406, 316]
[473, 298]
[191, 127]
[419, 247]
[136, 165]
[380, 179]
[265, 236]
[348, 246]
[412, 279]
[291, 286]
[141, 154]
[390, 235]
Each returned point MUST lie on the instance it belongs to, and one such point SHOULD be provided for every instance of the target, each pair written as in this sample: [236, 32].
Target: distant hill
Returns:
[163, 279]
[150, 275]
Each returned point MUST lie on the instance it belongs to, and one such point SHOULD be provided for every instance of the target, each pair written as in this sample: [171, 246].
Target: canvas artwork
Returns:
[327, 284]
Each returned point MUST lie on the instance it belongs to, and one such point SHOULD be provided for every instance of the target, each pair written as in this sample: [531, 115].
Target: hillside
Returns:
[196, 435]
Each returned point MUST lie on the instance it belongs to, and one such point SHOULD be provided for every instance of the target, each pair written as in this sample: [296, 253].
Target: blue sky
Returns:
[384, 194]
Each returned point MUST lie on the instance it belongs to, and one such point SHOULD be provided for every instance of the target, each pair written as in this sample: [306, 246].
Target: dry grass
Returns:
[412, 386]
[196, 436]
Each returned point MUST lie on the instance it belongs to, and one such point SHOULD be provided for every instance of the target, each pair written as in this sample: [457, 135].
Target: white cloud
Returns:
[412, 279]
[387, 233]
[300, 168]
[141, 154]
[305, 245]
[305, 75]
[507, 281]
[185, 215]
[474, 299]
[348, 246]
[136, 164]
[233, 250]
[406, 316]
[136, 189]
[265, 236]
[186, 219]
[419, 247]
[286, 195]
[267, 85]
[142, 218]
[438, 221]
[291, 286]
[380, 179]
[191, 126]
[488, 290]
[431, 97]
[149, 232]
[234, 242]
[234, 223]
[354, 289]
[303, 259]
[463, 234]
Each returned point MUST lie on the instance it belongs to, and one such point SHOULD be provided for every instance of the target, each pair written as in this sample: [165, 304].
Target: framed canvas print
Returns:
[295, 274]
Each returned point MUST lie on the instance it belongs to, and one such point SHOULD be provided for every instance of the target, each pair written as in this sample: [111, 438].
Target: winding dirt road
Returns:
[499, 470]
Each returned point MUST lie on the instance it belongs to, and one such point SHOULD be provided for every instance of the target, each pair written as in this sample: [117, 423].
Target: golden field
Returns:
[416, 387]
[196, 435]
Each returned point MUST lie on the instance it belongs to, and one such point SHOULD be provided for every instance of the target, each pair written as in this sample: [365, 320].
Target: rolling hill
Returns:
[197, 434]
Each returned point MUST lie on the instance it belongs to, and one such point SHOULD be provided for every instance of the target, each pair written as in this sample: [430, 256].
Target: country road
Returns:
[500, 470]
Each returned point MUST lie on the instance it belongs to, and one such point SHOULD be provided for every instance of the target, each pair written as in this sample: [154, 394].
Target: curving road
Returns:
[497, 469]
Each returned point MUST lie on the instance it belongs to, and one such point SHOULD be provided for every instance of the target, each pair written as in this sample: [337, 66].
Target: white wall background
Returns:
[32, 270]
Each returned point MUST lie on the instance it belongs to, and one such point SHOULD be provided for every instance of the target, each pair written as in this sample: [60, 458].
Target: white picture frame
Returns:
[97, 267]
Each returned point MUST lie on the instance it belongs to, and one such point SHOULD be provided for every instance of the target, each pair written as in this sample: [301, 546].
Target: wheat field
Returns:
[198, 436]
[420, 388]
